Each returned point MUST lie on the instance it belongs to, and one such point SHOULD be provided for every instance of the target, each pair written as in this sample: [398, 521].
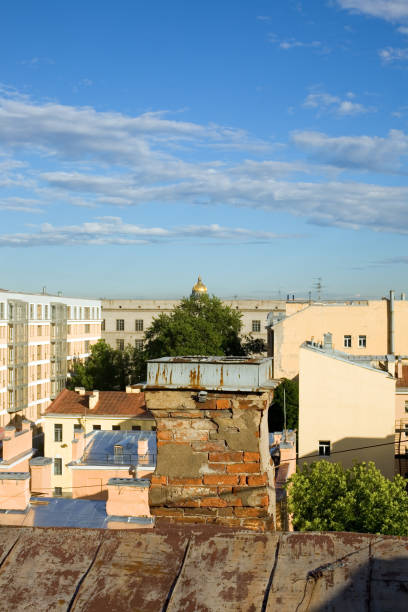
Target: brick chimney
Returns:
[213, 461]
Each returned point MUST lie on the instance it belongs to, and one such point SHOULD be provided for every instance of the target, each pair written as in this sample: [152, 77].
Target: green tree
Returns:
[324, 496]
[199, 325]
[98, 371]
[107, 369]
[289, 389]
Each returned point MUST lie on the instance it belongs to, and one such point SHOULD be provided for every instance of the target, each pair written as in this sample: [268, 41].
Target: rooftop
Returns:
[100, 448]
[111, 403]
[200, 568]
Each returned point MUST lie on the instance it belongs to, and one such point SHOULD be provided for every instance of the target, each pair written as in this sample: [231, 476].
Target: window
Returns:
[57, 466]
[58, 432]
[362, 341]
[39, 392]
[120, 324]
[58, 491]
[256, 326]
[77, 427]
[115, 427]
[31, 311]
[103, 324]
[39, 309]
[136, 428]
[324, 448]
[68, 329]
[87, 328]
[39, 351]
[96, 427]
[347, 341]
[39, 330]
[45, 312]
[120, 345]
[139, 325]
[86, 346]
[139, 345]
[38, 372]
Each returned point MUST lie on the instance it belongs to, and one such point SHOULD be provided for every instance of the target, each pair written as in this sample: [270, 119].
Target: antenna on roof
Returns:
[318, 286]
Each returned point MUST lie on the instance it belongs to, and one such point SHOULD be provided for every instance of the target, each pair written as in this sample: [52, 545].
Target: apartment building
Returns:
[370, 330]
[40, 334]
[73, 412]
[347, 409]
[125, 321]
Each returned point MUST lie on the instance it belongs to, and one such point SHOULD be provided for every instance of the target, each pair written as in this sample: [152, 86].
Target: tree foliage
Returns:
[289, 388]
[199, 325]
[324, 496]
[107, 369]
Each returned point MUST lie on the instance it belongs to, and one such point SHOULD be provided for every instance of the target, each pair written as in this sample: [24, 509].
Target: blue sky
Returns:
[262, 144]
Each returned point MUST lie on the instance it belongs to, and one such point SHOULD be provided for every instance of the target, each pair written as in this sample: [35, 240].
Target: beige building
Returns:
[346, 410]
[88, 411]
[368, 329]
[39, 335]
[125, 321]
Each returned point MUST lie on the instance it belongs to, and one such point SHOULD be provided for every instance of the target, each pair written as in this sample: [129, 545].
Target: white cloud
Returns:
[327, 103]
[88, 158]
[393, 54]
[390, 10]
[293, 43]
[113, 231]
[357, 152]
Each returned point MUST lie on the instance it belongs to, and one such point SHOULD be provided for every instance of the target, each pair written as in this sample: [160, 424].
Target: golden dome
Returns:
[199, 287]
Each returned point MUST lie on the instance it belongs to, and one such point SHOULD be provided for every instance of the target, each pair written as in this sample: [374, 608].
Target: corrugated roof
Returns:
[200, 568]
[111, 403]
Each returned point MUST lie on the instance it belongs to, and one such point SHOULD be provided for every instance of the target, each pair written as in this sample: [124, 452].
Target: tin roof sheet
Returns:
[204, 568]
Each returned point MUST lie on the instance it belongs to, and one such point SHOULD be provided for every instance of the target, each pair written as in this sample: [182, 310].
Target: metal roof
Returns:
[100, 450]
[193, 568]
[213, 373]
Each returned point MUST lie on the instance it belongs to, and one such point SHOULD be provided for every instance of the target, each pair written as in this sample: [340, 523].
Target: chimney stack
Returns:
[80, 390]
[213, 459]
[93, 399]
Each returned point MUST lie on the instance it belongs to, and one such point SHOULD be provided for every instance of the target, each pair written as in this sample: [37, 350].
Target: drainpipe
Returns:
[391, 323]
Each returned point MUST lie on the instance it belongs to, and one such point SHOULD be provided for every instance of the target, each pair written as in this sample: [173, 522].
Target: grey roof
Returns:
[129, 482]
[100, 447]
[14, 475]
[41, 461]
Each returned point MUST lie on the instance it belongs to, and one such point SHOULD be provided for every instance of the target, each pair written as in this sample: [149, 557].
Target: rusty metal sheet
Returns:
[389, 575]
[8, 538]
[132, 571]
[228, 573]
[45, 567]
[308, 573]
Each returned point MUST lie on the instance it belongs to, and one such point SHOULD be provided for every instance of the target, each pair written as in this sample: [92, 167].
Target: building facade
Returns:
[80, 411]
[125, 321]
[40, 334]
[367, 329]
[346, 410]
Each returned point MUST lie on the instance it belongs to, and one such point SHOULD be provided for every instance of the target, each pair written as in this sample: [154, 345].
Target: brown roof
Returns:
[403, 381]
[200, 568]
[111, 403]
